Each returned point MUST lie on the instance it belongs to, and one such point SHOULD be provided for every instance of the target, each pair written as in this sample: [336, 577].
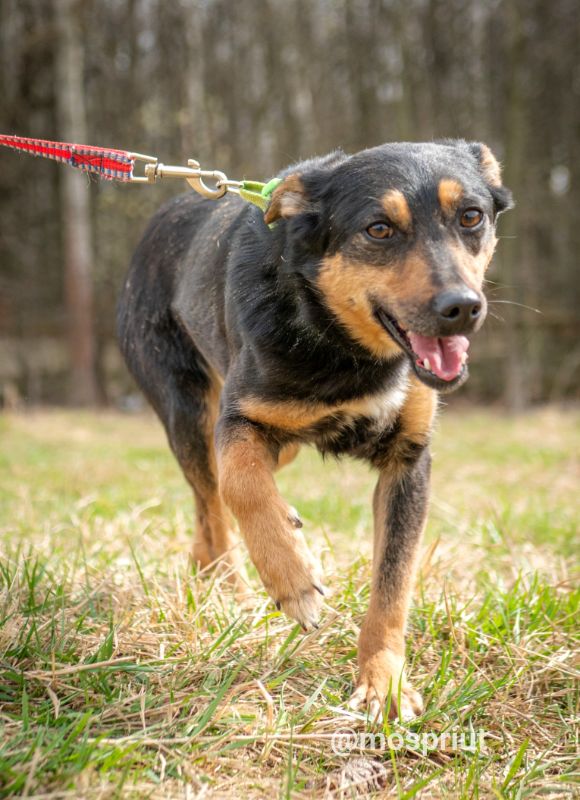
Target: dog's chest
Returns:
[352, 425]
[379, 409]
[322, 424]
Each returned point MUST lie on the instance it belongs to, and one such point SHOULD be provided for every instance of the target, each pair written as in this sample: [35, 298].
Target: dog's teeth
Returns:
[426, 364]
[464, 358]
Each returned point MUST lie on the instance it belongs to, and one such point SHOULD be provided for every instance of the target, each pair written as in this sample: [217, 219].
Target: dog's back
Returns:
[178, 246]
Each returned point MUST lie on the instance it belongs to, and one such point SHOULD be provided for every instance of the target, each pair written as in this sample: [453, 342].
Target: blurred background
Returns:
[248, 87]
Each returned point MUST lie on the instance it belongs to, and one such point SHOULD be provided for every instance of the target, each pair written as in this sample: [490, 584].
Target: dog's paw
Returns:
[383, 680]
[291, 575]
[369, 698]
[303, 604]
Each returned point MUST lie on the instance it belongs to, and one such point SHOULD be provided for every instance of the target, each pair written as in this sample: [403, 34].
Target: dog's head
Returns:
[396, 241]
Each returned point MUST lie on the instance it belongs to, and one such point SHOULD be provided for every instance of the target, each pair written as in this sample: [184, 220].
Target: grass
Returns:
[122, 674]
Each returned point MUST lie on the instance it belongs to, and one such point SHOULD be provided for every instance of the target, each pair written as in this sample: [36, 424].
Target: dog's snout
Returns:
[458, 310]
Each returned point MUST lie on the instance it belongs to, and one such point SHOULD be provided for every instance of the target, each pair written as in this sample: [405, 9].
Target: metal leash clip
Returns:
[193, 174]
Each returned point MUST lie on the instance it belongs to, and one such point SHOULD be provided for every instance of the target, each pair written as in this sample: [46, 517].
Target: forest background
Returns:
[248, 87]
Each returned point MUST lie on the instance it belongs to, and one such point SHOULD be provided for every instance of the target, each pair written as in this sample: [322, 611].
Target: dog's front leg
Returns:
[400, 509]
[270, 528]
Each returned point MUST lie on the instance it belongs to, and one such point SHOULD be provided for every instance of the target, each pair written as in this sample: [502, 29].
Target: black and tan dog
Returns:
[337, 327]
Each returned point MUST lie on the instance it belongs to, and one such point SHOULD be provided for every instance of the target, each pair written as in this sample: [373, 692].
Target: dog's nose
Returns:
[458, 310]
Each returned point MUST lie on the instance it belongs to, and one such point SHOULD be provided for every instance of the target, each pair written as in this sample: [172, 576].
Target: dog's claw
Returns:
[407, 713]
[374, 708]
[294, 518]
[304, 609]
[310, 625]
[411, 704]
[320, 590]
[278, 605]
[358, 698]
[375, 712]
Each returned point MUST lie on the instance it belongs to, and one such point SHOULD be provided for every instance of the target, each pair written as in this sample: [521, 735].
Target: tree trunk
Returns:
[75, 209]
[516, 376]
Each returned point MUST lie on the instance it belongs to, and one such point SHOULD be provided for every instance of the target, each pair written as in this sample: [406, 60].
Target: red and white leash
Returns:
[118, 165]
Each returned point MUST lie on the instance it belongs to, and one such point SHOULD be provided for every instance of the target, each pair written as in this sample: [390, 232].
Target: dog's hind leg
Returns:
[190, 430]
[183, 390]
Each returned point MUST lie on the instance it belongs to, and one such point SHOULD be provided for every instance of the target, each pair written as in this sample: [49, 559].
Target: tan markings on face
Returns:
[294, 415]
[397, 209]
[348, 286]
[450, 193]
[489, 166]
[472, 267]
[411, 283]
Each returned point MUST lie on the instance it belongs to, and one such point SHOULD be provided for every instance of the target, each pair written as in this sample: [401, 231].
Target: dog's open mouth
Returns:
[439, 361]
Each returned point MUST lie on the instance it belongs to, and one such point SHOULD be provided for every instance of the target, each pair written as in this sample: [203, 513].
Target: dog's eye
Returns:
[471, 218]
[380, 230]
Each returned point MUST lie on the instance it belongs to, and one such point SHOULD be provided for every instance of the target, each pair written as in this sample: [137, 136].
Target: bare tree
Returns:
[75, 208]
[249, 87]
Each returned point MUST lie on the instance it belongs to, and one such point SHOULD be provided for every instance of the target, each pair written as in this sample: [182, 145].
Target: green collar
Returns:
[257, 193]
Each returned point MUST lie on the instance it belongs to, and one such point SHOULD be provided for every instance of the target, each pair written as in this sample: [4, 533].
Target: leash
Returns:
[119, 165]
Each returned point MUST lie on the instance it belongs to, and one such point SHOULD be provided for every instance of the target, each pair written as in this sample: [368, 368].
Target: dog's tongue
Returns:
[445, 354]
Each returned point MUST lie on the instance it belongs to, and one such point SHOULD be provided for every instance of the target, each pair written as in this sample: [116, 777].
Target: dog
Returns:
[333, 319]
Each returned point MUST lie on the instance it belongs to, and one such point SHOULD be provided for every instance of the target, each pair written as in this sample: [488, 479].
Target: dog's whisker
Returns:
[514, 303]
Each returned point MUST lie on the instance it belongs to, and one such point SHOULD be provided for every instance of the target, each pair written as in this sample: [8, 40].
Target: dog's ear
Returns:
[288, 200]
[300, 192]
[488, 163]
[491, 170]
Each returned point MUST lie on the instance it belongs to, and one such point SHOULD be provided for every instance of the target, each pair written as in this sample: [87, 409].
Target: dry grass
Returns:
[123, 674]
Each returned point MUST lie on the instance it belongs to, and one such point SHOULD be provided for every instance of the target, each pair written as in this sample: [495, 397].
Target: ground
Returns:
[123, 674]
